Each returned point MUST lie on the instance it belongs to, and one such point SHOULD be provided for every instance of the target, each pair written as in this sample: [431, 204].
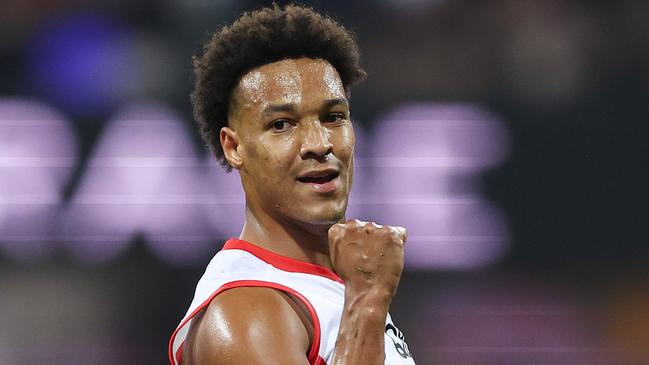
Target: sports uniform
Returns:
[243, 264]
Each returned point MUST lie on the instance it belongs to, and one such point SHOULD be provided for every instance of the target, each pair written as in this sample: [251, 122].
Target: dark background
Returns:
[568, 79]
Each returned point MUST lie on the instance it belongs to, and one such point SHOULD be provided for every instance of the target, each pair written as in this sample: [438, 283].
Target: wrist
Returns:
[370, 301]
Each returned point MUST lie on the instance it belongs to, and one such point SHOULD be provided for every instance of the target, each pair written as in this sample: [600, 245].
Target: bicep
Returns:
[250, 326]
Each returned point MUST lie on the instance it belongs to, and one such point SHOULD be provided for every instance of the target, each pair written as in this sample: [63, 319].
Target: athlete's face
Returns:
[295, 141]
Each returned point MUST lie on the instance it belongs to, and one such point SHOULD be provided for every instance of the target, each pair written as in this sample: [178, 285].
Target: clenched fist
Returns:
[368, 257]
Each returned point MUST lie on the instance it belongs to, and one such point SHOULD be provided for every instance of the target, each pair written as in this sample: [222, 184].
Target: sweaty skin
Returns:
[286, 119]
[282, 214]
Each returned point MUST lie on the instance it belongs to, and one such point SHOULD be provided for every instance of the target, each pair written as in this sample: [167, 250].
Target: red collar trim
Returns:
[279, 261]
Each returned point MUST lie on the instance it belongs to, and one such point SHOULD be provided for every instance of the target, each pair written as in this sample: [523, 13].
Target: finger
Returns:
[335, 229]
[355, 223]
[403, 233]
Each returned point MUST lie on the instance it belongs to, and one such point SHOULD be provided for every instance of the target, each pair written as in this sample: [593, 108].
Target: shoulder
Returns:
[250, 325]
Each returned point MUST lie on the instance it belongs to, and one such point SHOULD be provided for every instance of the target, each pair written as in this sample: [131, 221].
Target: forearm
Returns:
[361, 334]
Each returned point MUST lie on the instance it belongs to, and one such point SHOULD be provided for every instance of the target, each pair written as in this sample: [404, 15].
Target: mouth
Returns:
[318, 179]
[323, 182]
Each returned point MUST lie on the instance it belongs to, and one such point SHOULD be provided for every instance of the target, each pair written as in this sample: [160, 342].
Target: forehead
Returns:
[290, 81]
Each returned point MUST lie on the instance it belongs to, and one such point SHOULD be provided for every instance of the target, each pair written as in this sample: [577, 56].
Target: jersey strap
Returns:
[281, 262]
[176, 349]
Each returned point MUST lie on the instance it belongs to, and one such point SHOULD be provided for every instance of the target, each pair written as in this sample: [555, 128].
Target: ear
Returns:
[230, 145]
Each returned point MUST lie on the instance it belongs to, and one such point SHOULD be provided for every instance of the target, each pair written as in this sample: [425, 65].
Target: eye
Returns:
[334, 117]
[279, 125]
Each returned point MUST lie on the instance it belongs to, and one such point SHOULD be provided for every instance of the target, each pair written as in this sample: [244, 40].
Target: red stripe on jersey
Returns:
[179, 353]
[279, 261]
[313, 357]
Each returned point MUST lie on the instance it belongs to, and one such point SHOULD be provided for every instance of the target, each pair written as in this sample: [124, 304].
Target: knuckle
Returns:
[335, 230]
[396, 235]
[399, 231]
[355, 224]
[352, 222]
[384, 229]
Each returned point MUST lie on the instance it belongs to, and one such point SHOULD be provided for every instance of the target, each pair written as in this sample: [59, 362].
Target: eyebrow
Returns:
[337, 101]
[274, 108]
[288, 107]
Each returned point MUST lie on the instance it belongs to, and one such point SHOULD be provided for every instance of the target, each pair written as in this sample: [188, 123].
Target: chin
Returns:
[325, 216]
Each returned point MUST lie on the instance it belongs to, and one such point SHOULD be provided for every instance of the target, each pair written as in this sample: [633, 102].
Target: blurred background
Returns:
[509, 136]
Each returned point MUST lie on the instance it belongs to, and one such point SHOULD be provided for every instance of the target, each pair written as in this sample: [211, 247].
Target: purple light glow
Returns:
[452, 136]
[499, 322]
[355, 208]
[143, 177]
[426, 161]
[225, 201]
[37, 154]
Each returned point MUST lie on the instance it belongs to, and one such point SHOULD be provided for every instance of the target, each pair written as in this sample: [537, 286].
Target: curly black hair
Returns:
[257, 38]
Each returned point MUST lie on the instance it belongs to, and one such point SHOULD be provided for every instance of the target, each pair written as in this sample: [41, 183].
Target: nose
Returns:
[316, 141]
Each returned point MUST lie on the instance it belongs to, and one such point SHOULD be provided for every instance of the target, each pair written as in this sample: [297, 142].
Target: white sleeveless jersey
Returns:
[243, 264]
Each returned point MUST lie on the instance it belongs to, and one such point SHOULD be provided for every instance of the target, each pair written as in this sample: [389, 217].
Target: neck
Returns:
[308, 244]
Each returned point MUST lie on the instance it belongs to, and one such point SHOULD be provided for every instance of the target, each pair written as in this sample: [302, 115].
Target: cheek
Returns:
[275, 158]
[345, 141]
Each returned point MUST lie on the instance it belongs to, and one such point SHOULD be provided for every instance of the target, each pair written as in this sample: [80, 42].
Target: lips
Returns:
[318, 177]
[323, 181]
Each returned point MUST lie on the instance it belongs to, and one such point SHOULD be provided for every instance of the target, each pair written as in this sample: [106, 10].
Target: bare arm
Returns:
[249, 326]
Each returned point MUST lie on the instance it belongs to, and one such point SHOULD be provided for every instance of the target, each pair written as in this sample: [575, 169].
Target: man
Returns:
[300, 285]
